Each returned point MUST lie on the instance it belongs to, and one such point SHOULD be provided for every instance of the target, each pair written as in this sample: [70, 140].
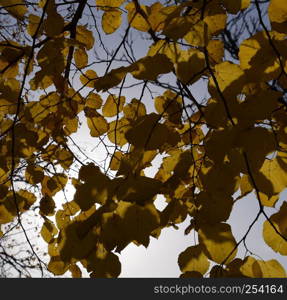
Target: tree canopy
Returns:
[68, 63]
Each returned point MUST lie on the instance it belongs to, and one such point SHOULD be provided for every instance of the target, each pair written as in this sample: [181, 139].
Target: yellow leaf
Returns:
[134, 109]
[118, 130]
[214, 206]
[257, 51]
[5, 215]
[71, 126]
[272, 178]
[89, 78]
[218, 242]
[271, 237]
[16, 8]
[33, 24]
[97, 125]
[144, 68]
[177, 28]
[65, 158]
[149, 134]
[230, 78]
[268, 269]
[135, 19]
[138, 221]
[196, 36]
[111, 79]
[107, 4]
[57, 266]
[75, 271]
[215, 50]
[156, 17]
[116, 159]
[48, 231]
[81, 58]
[54, 23]
[62, 219]
[190, 65]
[52, 185]
[139, 189]
[245, 185]
[47, 206]
[192, 274]
[277, 11]
[94, 101]
[34, 174]
[113, 105]
[70, 208]
[104, 264]
[215, 18]
[234, 6]
[193, 259]
[111, 21]
[85, 37]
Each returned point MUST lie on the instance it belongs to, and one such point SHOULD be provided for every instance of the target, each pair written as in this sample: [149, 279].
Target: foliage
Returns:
[232, 143]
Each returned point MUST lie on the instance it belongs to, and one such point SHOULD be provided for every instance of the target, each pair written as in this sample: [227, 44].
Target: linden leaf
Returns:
[57, 266]
[81, 58]
[98, 126]
[52, 185]
[54, 23]
[229, 76]
[149, 134]
[134, 109]
[94, 101]
[88, 79]
[215, 18]
[75, 271]
[277, 11]
[177, 28]
[268, 269]
[65, 158]
[234, 6]
[5, 215]
[218, 242]
[193, 259]
[107, 4]
[192, 274]
[16, 8]
[135, 19]
[272, 178]
[34, 174]
[33, 24]
[271, 237]
[47, 206]
[104, 264]
[245, 186]
[116, 159]
[190, 65]
[48, 231]
[111, 21]
[215, 50]
[85, 37]
[257, 51]
[138, 221]
[113, 106]
[117, 132]
[144, 68]
[111, 79]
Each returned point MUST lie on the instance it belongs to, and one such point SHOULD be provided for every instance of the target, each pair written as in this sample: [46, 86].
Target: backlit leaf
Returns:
[272, 239]
[218, 242]
[193, 259]
[111, 21]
